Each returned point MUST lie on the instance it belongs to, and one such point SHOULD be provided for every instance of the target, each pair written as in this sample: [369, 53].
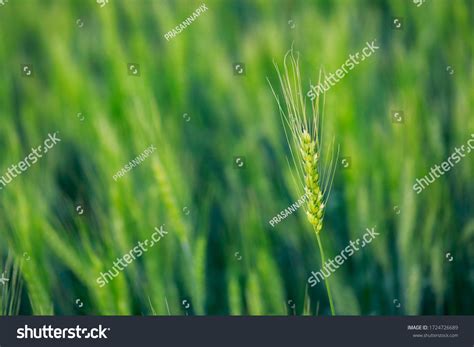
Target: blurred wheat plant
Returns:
[314, 166]
[11, 288]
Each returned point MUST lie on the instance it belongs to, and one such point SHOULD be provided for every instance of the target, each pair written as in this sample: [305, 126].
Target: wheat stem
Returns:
[323, 260]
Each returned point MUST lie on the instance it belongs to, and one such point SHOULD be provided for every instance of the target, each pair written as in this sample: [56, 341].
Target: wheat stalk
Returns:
[304, 134]
[10, 292]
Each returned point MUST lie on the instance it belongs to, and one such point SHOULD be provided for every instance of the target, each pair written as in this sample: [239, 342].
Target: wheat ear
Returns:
[304, 134]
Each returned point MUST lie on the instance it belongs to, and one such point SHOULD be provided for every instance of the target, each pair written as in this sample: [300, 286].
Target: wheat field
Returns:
[111, 85]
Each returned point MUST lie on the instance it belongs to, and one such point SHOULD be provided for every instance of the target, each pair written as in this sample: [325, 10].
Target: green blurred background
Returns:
[57, 254]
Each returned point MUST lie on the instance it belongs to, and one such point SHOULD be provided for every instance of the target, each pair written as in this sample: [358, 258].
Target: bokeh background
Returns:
[200, 115]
